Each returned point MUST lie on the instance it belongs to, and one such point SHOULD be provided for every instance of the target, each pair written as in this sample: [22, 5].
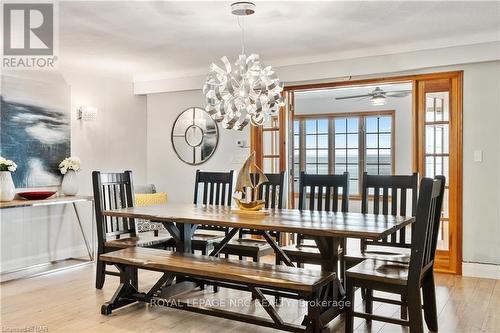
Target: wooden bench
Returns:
[258, 278]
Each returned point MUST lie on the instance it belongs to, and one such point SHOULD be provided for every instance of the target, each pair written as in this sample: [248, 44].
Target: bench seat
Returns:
[234, 271]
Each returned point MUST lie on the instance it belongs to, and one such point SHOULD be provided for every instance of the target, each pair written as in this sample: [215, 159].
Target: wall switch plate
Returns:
[478, 155]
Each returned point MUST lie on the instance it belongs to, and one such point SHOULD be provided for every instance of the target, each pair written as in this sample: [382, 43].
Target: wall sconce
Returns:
[87, 113]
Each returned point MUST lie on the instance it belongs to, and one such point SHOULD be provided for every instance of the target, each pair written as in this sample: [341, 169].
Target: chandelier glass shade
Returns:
[244, 92]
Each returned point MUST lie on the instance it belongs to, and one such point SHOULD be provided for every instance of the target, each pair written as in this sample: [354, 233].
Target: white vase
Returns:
[7, 189]
[69, 184]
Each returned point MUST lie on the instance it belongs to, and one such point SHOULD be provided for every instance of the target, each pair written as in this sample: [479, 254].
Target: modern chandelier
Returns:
[244, 92]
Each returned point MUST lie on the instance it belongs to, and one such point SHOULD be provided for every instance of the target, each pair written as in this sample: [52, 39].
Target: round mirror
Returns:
[194, 136]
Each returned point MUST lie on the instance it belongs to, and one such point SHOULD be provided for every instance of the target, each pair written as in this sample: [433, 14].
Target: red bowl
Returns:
[36, 195]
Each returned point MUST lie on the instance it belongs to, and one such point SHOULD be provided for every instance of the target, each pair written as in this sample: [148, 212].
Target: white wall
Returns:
[164, 168]
[114, 142]
[117, 139]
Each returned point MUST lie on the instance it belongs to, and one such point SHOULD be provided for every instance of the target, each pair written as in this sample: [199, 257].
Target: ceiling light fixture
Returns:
[378, 100]
[245, 92]
[378, 97]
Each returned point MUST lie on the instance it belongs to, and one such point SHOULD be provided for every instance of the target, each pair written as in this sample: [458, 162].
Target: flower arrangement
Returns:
[7, 165]
[69, 163]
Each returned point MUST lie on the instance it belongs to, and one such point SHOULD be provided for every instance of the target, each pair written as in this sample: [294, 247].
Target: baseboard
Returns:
[488, 271]
[42, 258]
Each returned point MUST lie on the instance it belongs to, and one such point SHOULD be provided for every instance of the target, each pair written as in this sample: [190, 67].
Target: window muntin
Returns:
[337, 143]
[378, 145]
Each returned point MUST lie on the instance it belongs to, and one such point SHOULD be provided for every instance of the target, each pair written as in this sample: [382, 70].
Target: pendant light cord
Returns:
[241, 24]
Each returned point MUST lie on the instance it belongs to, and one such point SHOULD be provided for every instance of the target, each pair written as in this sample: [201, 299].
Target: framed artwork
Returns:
[35, 129]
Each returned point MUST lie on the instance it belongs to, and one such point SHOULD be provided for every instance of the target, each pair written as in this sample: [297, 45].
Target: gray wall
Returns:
[481, 181]
[164, 168]
[114, 142]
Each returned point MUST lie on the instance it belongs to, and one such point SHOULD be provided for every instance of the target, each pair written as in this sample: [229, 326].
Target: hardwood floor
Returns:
[67, 301]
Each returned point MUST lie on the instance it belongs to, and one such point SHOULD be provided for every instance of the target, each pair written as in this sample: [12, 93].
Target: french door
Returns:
[439, 152]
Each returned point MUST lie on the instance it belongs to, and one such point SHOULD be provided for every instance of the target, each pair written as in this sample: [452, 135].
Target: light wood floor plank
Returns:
[67, 301]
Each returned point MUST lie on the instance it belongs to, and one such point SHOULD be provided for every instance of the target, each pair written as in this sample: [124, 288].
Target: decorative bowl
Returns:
[36, 195]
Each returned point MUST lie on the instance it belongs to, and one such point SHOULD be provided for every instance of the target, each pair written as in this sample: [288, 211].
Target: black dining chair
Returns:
[272, 194]
[388, 190]
[114, 191]
[216, 189]
[318, 193]
[404, 279]
[388, 195]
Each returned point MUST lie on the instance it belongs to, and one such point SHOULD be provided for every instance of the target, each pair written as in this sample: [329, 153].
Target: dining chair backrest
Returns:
[271, 191]
[424, 239]
[217, 188]
[324, 192]
[390, 190]
[113, 191]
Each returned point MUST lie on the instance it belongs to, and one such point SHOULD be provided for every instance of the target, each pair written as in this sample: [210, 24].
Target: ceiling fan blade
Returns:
[355, 96]
[398, 94]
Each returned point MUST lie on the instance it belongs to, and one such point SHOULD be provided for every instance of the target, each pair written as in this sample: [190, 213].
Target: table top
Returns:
[313, 223]
[57, 200]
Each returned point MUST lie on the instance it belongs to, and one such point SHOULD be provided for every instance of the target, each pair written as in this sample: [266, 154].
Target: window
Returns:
[338, 143]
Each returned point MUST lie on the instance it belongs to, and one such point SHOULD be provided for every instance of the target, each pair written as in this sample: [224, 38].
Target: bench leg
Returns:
[125, 288]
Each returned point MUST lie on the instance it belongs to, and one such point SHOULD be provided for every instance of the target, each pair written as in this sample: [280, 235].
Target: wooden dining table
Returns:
[329, 230]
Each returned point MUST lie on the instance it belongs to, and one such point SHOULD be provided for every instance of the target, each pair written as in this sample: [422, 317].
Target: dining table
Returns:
[329, 230]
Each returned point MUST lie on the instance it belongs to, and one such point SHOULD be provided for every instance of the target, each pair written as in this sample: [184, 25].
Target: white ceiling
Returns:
[332, 93]
[183, 38]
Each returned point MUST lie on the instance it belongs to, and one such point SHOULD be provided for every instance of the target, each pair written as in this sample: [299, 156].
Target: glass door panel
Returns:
[437, 147]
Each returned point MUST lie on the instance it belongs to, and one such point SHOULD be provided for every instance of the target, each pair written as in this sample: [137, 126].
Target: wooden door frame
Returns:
[453, 82]
[456, 266]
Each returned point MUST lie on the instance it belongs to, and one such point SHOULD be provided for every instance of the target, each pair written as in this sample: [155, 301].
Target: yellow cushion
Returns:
[149, 199]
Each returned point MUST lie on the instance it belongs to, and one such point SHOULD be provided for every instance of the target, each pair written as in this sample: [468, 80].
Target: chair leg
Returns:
[430, 311]
[277, 299]
[255, 258]
[415, 311]
[204, 253]
[369, 302]
[404, 308]
[100, 274]
[349, 319]
[363, 293]
[216, 287]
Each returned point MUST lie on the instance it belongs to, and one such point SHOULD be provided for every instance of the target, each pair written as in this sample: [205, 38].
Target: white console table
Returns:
[62, 200]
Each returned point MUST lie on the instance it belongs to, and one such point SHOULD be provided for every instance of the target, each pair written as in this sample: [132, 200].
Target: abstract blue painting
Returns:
[35, 129]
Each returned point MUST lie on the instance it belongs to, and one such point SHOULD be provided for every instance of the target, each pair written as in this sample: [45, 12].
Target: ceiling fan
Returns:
[378, 96]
